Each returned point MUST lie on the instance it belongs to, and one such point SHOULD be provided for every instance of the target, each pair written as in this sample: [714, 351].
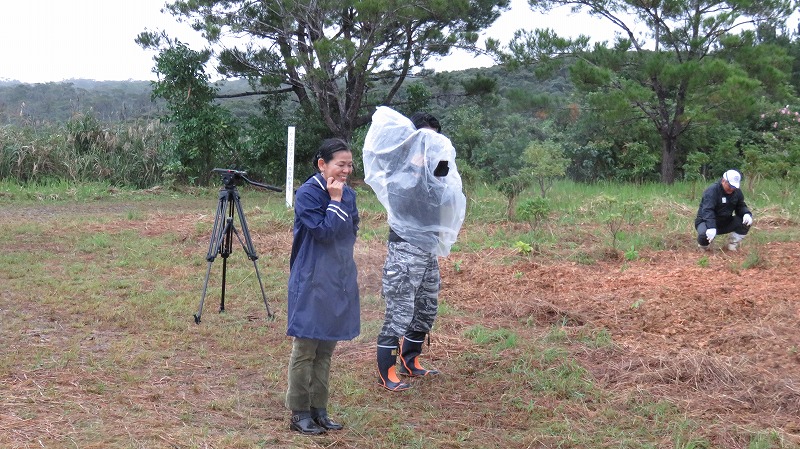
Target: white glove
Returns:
[747, 220]
[710, 234]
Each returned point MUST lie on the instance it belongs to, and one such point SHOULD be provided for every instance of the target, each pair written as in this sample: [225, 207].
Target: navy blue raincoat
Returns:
[323, 299]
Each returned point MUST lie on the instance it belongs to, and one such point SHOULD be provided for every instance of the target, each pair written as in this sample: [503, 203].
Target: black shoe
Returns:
[323, 420]
[304, 423]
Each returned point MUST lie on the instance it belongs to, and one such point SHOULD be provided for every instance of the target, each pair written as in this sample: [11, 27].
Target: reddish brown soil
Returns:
[720, 341]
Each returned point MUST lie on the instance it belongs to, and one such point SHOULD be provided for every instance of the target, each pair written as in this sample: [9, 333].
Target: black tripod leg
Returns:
[215, 244]
[270, 316]
[226, 252]
[227, 244]
[248, 242]
[251, 252]
[202, 298]
[218, 231]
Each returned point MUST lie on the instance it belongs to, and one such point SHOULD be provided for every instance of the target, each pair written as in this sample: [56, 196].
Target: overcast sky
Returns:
[56, 40]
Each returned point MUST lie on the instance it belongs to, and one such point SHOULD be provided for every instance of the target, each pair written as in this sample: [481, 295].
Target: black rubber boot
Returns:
[387, 359]
[322, 419]
[304, 423]
[410, 349]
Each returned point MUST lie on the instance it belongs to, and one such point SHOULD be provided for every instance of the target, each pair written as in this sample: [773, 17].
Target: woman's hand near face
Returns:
[335, 189]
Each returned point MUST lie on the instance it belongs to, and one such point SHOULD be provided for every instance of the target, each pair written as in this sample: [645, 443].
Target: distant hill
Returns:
[115, 101]
[108, 101]
[57, 102]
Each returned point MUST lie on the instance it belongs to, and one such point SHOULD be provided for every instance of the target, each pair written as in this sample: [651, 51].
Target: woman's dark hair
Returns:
[326, 150]
[425, 120]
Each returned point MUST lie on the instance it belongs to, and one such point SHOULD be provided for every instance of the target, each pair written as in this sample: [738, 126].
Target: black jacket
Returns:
[717, 206]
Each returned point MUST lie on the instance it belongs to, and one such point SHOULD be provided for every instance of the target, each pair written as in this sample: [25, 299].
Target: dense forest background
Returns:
[97, 118]
[592, 114]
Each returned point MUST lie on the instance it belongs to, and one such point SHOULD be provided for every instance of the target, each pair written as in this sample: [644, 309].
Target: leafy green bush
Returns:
[533, 210]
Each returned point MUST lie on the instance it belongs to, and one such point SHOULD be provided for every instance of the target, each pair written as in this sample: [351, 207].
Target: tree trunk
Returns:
[668, 149]
[511, 208]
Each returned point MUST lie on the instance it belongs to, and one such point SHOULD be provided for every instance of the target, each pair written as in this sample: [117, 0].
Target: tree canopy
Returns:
[675, 75]
[204, 132]
[336, 56]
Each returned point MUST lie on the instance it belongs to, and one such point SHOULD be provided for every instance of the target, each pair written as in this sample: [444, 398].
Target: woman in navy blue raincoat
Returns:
[323, 303]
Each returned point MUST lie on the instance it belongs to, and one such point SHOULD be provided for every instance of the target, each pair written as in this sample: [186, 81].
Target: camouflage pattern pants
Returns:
[411, 290]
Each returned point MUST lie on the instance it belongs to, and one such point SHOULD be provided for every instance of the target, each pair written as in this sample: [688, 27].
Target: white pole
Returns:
[290, 168]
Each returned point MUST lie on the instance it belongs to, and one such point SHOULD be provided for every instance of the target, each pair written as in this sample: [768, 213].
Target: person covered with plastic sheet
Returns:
[723, 211]
[323, 301]
[411, 167]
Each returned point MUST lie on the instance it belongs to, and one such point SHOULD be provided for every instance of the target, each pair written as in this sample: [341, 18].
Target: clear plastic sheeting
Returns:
[414, 175]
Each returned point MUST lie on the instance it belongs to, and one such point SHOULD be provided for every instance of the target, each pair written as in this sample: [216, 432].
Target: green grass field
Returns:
[99, 349]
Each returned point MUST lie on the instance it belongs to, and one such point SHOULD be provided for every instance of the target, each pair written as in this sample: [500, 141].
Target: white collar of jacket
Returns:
[318, 178]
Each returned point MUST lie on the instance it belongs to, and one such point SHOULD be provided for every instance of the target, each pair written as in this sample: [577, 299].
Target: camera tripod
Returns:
[228, 208]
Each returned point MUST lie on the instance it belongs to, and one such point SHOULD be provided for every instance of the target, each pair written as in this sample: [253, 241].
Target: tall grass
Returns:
[84, 150]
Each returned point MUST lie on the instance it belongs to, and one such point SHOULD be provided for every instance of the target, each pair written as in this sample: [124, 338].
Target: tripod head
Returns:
[231, 178]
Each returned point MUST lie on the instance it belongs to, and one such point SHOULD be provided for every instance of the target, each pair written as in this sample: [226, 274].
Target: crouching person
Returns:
[723, 211]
